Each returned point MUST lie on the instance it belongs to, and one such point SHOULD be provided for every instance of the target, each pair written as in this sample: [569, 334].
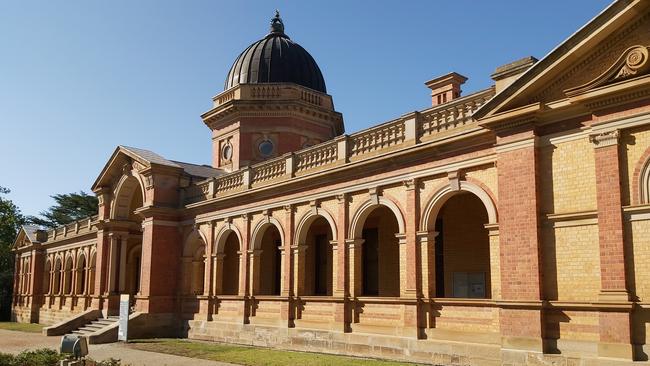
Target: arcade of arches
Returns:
[506, 226]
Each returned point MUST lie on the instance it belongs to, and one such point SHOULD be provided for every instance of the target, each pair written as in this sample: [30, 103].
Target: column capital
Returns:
[354, 243]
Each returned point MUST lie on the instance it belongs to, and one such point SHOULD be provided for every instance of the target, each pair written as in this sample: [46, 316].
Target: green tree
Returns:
[10, 222]
[68, 208]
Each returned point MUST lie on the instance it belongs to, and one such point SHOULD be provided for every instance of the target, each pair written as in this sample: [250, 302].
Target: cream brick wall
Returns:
[572, 263]
[487, 175]
[568, 177]
[639, 238]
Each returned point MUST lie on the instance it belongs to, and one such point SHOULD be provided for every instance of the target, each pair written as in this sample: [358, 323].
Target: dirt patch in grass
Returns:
[22, 327]
[252, 356]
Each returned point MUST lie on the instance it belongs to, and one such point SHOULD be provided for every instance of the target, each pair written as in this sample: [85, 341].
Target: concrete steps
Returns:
[95, 325]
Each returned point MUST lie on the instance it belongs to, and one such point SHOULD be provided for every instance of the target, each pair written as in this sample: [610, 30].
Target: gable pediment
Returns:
[592, 57]
[632, 63]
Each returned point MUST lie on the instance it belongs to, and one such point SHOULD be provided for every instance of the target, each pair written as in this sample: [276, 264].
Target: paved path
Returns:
[16, 342]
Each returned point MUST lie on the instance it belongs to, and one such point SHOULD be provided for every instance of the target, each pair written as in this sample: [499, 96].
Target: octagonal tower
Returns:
[275, 102]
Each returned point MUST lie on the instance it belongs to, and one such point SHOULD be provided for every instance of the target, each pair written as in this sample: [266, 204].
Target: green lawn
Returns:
[21, 327]
[251, 356]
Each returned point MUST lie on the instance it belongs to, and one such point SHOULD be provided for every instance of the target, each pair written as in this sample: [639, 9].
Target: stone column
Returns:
[495, 261]
[209, 248]
[343, 311]
[521, 319]
[122, 266]
[615, 334]
[217, 260]
[244, 274]
[403, 265]
[426, 240]
[287, 253]
[299, 256]
[412, 261]
[356, 266]
[254, 257]
[111, 286]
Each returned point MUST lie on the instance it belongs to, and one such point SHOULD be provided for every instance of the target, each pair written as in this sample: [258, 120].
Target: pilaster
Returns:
[614, 327]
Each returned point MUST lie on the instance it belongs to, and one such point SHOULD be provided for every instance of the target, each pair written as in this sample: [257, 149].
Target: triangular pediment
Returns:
[124, 159]
[609, 49]
[27, 236]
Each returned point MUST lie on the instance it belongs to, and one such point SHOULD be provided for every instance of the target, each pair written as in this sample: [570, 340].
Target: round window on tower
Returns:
[265, 148]
[226, 151]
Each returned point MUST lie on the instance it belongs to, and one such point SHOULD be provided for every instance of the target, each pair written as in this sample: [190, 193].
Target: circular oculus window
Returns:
[265, 148]
[226, 152]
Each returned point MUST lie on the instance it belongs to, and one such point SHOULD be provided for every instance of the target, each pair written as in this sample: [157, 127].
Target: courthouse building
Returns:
[509, 225]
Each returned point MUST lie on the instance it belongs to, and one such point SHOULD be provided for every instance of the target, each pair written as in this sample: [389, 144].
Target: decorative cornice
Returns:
[605, 139]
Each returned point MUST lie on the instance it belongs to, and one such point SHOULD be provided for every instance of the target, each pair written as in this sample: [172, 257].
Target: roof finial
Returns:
[276, 23]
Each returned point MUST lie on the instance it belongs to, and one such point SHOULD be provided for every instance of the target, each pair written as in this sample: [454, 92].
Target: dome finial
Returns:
[276, 23]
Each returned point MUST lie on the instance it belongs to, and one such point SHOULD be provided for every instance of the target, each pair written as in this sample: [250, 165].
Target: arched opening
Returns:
[26, 277]
[67, 277]
[81, 275]
[56, 283]
[47, 275]
[91, 274]
[230, 274]
[462, 248]
[318, 276]
[133, 264]
[380, 254]
[127, 247]
[194, 265]
[270, 261]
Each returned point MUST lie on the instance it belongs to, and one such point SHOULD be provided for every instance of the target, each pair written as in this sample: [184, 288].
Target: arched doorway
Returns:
[268, 266]
[194, 265]
[228, 262]
[315, 256]
[460, 258]
[126, 238]
[91, 273]
[380, 254]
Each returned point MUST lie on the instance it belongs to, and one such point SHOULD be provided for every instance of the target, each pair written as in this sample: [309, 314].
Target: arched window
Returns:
[91, 274]
[67, 277]
[644, 182]
[81, 275]
[47, 273]
[56, 283]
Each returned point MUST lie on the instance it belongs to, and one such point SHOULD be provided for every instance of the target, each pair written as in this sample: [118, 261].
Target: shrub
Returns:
[39, 357]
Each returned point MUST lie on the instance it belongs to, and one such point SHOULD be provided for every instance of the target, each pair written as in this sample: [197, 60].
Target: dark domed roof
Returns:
[276, 59]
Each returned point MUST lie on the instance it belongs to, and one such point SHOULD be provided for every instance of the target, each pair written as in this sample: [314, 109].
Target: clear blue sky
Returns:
[78, 78]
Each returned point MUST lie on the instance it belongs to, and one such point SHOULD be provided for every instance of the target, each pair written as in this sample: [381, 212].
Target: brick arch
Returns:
[641, 180]
[307, 219]
[362, 213]
[260, 229]
[188, 249]
[122, 196]
[442, 195]
[222, 236]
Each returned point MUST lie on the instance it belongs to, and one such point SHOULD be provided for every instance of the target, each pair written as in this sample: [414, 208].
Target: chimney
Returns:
[445, 88]
[506, 74]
